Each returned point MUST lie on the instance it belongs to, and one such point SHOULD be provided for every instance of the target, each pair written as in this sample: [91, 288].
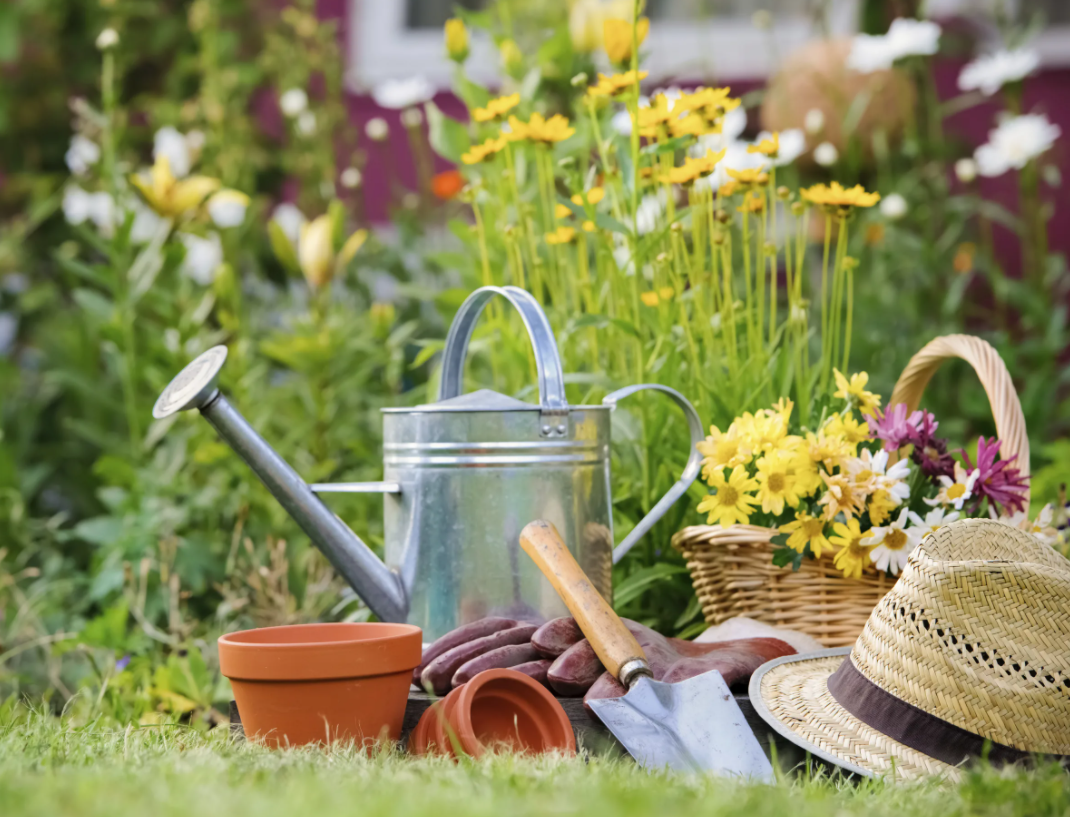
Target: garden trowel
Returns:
[693, 725]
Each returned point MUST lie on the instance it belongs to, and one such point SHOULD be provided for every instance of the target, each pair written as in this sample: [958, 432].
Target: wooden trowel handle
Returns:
[614, 644]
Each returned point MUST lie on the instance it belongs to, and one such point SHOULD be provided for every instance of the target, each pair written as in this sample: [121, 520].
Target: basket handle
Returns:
[992, 371]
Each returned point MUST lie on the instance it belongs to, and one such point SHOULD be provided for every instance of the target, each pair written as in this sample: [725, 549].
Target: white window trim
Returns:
[380, 47]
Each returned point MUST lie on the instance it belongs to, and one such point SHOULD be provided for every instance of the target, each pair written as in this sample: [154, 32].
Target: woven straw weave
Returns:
[732, 570]
[977, 633]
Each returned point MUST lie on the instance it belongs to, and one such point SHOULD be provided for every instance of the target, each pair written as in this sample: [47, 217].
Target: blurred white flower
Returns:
[9, 327]
[966, 170]
[293, 102]
[1014, 142]
[290, 220]
[227, 208]
[306, 123]
[815, 121]
[82, 154]
[376, 129]
[716, 322]
[412, 118]
[906, 37]
[146, 222]
[351, 178]
[80, 206]
[826, 154]
[893, 207]
[108, 38]
[991, 72]
[203, 257]
[650, 209]
[402, 93]
[622, 123]
[170, 143]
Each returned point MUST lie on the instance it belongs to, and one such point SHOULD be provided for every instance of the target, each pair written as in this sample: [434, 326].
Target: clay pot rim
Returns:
[403, 630]
[525, 687]
[396, 648]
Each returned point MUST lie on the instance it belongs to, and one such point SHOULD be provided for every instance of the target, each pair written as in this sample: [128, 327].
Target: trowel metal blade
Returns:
[690, 726]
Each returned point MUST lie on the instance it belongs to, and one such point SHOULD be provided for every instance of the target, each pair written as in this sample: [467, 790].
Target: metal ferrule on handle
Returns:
[378, 585]
[691, 470]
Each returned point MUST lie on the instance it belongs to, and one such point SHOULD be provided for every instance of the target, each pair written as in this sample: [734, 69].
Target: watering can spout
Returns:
[195, 388]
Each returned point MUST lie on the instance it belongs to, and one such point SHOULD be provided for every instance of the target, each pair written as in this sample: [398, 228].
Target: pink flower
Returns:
[894, 427]
[997, 481]
[929, 451]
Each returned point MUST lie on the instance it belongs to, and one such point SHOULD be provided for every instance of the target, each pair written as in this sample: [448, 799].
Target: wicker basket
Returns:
[732, 568]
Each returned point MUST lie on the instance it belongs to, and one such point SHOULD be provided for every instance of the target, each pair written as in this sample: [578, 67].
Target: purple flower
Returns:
[122, 663]
[929, 451]
[997, 481]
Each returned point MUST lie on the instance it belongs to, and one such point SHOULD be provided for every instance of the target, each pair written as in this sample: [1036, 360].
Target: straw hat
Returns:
[969, 652]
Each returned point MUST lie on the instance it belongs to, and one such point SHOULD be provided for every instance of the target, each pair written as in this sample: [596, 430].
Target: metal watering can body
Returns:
[462, 477]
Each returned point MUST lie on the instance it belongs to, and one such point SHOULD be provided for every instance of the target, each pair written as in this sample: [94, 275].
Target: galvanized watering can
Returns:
[461, 479]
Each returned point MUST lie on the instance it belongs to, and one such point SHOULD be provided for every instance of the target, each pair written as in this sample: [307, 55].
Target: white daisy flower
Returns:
[1015, 142]
[826, 154]
[955, 491]
[170, 143]
[82, 154]
[893, 207]
[966, 170]
[227, 208]
[203, 257]
[991, 72]
[293, 102]
[933, 521]
[894, 543]
[403, 93]
[906, 37]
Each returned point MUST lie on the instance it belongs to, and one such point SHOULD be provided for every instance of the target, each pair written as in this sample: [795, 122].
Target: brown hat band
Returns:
[913, 727]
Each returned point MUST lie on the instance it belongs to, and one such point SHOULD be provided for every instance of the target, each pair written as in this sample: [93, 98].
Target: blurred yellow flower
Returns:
[170, 197]
[828, 450]
[456, 40]
[666, 293]
[612, 85]
[659, 112]
[693, 169]
[853, 556]
[753, 177]
[722, 449]
[480, 153]
[539, 129]
[562, 235]
[593, 196]
[768, 147]
[586, 20]
[618, 36]
[512, 57]
[807, 530]
[712, 103]
[848, 427]
[835, 195]
[728, 189]
[588, 226]
[649, 298]
[496, 108]
[753, 202]
[692, 124]
[315, 250]
[733, 501]
[881, 504]
[855, 391]
[562, 211]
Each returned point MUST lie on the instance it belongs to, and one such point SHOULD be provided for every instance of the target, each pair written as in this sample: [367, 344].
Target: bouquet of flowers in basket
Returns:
[862, 485]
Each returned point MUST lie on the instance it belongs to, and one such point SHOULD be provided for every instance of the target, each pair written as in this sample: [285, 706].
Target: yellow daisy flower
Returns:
[855, 391]
[752, 177]
[733, 502]
[594, 195]
[722, 449]
[853, 556]
[728, 189]
[496, 108]
[659, 112]
[776, 483]
[613, 85]
[827, 450]
[480, 153]
[768, 147]
[807, 475]
[841, 496]
[835, 195]
[540, 129]
[693, 169]
[649, 298]
[881, 505]
[848, 428]
[617, 37]
[589, 226]
[753, 202]
[807, 530]
[561, 211]
[693, 124]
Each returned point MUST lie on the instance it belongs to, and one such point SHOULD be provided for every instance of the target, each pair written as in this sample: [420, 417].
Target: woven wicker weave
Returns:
[732, 569]
[975, 633]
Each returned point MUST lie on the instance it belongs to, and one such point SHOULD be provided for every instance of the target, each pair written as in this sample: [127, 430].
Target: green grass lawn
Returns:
[51, 767]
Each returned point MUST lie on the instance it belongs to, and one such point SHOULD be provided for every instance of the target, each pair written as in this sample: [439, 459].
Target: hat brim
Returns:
[791, 695]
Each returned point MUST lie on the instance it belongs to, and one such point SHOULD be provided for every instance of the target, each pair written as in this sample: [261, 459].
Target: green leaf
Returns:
[429, 350]
[283, 249]
[784, 556]
[448, 137]
[670, 146]
[108, 630]
[9, 32]
[637, 583]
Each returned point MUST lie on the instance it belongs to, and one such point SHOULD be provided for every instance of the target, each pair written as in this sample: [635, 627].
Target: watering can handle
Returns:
[547, 361]
[691, 470]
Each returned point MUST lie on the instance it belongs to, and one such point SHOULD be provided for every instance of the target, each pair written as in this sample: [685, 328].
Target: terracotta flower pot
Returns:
[319, 683]
[499, 708]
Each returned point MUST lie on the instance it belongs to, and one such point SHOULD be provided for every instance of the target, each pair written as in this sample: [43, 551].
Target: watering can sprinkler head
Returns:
[194, 386]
